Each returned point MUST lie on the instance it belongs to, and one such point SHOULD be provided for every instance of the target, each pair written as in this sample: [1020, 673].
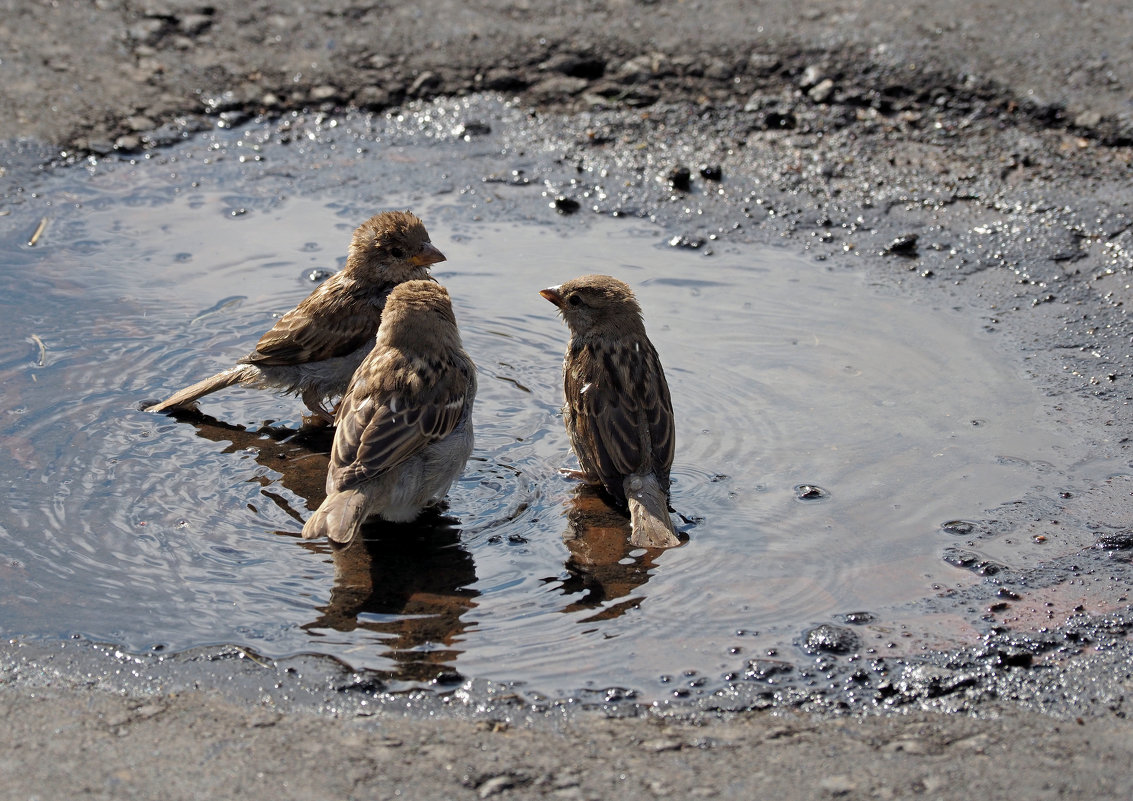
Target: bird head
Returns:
[392, 247]
[596, 304]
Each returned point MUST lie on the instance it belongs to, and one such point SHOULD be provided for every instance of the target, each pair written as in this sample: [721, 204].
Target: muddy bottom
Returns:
[835, 439]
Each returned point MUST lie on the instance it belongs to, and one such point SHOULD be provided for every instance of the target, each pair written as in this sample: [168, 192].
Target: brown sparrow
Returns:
[404, 427]
[618, 413]
[314, 349]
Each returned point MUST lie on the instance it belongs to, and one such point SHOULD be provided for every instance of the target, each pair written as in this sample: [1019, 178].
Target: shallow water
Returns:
[151, 532]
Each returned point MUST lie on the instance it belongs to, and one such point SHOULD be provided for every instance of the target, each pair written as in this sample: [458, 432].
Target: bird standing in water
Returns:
[618, 413]
[404, 427]
[314, 349]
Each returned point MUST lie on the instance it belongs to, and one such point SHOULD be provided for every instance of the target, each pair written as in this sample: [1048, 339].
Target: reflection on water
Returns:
[146, 530]
[408, 585]
[604, 570]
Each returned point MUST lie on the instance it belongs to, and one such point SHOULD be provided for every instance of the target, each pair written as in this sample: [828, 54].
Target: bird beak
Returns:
[426, 256]
[552, 294]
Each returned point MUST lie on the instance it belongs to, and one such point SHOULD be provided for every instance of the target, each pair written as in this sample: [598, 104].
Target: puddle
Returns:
[150, 532]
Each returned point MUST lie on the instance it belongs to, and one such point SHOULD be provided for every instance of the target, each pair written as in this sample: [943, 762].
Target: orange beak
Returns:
[551, 293]
[426, 256]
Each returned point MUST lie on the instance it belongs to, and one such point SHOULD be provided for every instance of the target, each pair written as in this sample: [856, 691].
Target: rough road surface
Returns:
[987, 149]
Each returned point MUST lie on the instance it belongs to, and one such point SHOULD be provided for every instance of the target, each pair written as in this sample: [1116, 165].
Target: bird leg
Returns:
[579, 475]
[313, 402]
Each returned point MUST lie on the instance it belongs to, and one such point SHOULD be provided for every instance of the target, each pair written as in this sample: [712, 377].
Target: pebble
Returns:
[1088, 119]
[830, 639]
[557, 88]
[575, 65]
[910, 746]
[495, 785]
[712, 172]
[140, 123]
[127, 142]
[904, 245]
[427, 81]
[822, 91]
[680, 178]
[812, 76]
[838, 785]
[194, 24]
[322, 93]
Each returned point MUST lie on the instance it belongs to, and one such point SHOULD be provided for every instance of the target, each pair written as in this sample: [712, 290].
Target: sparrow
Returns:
[618, 414]
[314, 349]
[404, 427]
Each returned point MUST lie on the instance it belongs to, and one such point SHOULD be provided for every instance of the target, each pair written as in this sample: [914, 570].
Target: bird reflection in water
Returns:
[408, 583]
[604, 570]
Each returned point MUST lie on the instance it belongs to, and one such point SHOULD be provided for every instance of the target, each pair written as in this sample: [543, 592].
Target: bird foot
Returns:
[578, 475]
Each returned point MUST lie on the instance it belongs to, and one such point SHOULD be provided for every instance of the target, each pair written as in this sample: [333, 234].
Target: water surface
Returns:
[153, 532]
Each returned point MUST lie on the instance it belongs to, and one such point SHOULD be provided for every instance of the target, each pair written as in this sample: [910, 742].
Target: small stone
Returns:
[566, 205]
[810, 492]
[1118, 541]
[904, 245]
[557, 88]
[147, 31]
[127, 143]
[575, 65]
[1088, 119]
[910, 746]
[712, 172]
[662, 744]
[139, 123]
[322, 93]
[379, 61]
[426, 82]
[373, 98]
[763, 63]
[499, 79]
[680, 178]
[822, 91]
[829, 639]
[838, 785]
[812, 76]
[194, 24]
[495, 785]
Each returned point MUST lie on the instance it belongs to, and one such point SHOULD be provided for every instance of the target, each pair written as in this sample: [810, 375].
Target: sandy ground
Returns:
[106, 74]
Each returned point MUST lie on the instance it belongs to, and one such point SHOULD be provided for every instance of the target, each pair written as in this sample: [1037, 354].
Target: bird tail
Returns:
[339, 518]
[649, 513]
[241, 373]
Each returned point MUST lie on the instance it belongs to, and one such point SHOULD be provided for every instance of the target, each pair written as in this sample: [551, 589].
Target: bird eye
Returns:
[397, 252]
[574, 300]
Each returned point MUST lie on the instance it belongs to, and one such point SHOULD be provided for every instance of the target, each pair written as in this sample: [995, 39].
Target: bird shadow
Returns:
[407, 583]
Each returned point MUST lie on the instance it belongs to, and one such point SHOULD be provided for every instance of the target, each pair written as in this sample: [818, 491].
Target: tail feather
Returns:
[649, 513]
[340, 518]
[241, 373]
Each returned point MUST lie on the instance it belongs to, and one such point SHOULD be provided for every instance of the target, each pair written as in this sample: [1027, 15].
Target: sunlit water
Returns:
[147, 531]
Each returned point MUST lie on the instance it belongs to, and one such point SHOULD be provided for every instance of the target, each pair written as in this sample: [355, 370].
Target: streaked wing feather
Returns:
[373, 438]
[609, 417]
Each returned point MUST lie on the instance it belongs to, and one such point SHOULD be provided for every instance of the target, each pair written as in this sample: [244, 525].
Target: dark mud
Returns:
[993, 178]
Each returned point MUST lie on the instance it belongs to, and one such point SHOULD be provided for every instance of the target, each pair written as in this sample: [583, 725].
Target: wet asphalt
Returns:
[977, 158]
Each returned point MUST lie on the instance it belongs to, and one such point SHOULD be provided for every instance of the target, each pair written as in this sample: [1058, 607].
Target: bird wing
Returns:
[621, 411]
[328, 323]
[391, 412]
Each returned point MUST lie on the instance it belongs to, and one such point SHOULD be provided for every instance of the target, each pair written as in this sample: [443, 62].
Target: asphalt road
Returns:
[1054, 79]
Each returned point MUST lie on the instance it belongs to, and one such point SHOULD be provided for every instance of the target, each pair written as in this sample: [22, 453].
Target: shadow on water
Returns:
[145, 531]
[409, 586]
[406, 584]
